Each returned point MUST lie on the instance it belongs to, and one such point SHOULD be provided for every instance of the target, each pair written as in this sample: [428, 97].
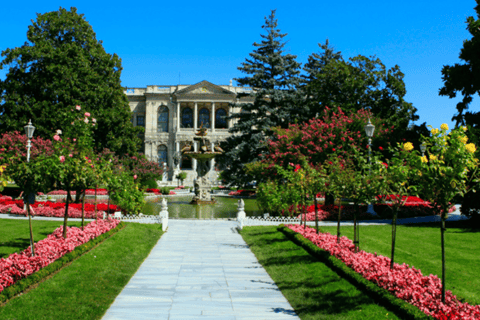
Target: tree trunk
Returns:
[394, 233]
[442, 232]
[31, 231]
[83, 209]
[96, 186]
[339, 218]
[66, 215]
[316, 211]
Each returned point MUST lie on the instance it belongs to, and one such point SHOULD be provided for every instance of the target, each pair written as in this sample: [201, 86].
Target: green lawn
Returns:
[419, 246]
[312, 288]
[87, 287]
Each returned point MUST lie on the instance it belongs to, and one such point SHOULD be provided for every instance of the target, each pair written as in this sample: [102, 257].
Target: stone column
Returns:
[212, 162]
[164, 177]
[230, 109]
[195, 116]
[194, 162]
[178, 149]
[213, 118]
[178, 116]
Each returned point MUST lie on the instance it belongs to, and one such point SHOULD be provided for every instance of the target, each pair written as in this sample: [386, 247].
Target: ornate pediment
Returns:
[204, 88]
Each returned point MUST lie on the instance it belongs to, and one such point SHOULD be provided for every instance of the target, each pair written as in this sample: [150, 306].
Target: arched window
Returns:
[204, 117]
[162, 155]
[187, 118]
[220, 121]
[162, 123]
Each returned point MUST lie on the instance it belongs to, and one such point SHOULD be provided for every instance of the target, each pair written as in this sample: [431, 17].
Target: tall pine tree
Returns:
[64, 66]
[274, 76]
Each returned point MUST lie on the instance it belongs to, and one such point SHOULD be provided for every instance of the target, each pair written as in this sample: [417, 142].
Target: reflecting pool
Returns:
[180, 207]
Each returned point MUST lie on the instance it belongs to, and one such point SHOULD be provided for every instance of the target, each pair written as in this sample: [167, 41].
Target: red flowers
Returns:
[297, 167]
[380, 148]
[404, 282]
[386, 165]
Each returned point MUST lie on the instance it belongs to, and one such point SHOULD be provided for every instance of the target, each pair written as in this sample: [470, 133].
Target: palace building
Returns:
[172, 114]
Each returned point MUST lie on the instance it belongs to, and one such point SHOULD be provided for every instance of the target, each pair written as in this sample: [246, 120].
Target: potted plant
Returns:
[181, 176]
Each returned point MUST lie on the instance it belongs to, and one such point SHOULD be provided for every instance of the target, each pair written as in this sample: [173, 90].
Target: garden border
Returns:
[399, 306]
[43, 274]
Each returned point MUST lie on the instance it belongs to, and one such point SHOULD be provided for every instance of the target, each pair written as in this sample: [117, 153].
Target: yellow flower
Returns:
[419, 173]
[464, 139]
[424, 159]
[403, 183]
[434, 131]
[408, 146]
[471, 147]
[464, 128]
[4, 183]
[444, 126]
[432, 157]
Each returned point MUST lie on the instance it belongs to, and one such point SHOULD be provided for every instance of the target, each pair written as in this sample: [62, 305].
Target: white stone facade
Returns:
[172, 114]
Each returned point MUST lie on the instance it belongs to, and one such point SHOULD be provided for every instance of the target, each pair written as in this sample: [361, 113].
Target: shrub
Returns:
[150, 184]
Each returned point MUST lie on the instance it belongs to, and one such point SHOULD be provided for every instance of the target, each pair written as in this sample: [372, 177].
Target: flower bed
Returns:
[21, 265]
[54, 209]
[242, 193]
[414, 207]
[158, 191]
[100, 192]
[404, 282]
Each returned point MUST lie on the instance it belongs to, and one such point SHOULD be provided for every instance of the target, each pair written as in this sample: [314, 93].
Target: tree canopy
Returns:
[62, 66]
[464, 78]
[274, 76]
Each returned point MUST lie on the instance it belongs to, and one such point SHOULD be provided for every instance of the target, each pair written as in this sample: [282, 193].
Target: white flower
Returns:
[94, 120]
[78, 107]
[86, 120]
[59, 131]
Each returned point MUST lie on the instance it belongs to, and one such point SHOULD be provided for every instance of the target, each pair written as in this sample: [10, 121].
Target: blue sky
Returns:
[167, 42]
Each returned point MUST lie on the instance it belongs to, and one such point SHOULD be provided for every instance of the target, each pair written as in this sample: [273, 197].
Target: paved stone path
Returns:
[201, 270]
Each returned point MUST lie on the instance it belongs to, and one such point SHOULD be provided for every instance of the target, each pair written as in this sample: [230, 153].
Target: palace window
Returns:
[187, 118]
[204, 117]
[220, 122]
[162, 155]
[162, 123]
[186, 163]
[141, 120]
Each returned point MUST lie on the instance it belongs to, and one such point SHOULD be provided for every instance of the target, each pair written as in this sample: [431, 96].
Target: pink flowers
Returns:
[135, 177]
[78, 107]
[56, 137]
[70, 155]
[74, 139]
[62, 159]
[87, 114]
[18, 266]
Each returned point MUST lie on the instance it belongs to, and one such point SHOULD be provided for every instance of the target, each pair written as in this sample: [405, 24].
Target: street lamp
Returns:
[369, 129]
[29, 197]
[423, 147]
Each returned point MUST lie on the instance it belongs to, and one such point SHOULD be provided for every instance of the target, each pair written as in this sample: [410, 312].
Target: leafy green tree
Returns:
[359, 83]
[64, 65]
[274, 75]
[463, 78]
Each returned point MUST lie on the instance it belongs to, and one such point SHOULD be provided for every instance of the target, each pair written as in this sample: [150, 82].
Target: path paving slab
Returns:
[201, 269]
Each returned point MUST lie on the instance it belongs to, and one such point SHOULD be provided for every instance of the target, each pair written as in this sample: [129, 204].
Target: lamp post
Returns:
[423, 147]
[369, 129]
[29, 196]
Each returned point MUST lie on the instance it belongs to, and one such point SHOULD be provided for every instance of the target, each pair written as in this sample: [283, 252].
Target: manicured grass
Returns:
[87, 287]
[312, 288]
[420, 246]
[15, 234]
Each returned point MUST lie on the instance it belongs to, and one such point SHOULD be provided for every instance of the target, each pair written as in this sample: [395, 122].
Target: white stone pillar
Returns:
[195, 116]
[230, 121]
[195, 148]
[212, 122]
[178, 149]
[212, 162]
[178, 116]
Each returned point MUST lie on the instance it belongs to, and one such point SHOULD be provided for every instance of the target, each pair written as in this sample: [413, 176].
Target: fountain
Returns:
[202, 186]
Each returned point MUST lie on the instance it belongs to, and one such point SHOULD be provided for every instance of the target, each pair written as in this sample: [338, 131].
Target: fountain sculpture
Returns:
[202, 186]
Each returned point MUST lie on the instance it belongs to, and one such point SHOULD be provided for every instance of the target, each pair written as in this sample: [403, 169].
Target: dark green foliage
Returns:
[356, 84]
[150, 184]
[274, 75]
[464, 78]
[63, 66]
